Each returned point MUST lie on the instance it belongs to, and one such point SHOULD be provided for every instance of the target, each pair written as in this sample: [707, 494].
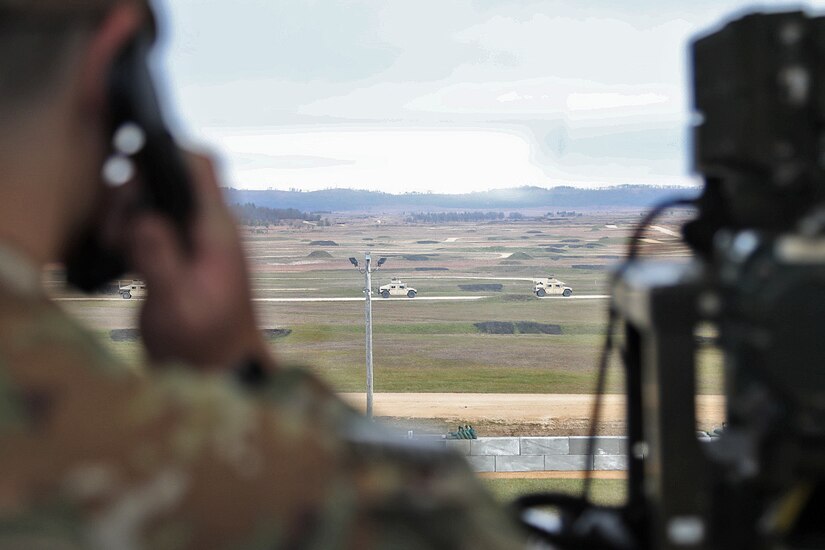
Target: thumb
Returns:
[156, 251]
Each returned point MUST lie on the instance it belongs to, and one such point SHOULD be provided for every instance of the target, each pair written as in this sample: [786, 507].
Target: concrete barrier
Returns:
[540, 454]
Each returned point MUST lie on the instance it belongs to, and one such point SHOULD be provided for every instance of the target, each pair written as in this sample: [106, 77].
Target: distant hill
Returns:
[349, 200]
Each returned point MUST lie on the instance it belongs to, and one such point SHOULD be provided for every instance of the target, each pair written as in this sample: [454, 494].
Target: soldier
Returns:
[225, 448]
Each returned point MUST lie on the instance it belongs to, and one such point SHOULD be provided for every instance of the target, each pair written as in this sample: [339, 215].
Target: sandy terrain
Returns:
[517, 414]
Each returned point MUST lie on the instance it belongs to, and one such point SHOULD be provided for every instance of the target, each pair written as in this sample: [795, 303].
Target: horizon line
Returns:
[497, 189]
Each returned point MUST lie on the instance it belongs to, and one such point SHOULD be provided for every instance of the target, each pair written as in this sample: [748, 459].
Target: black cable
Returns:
[570, 506]
[573, 504]
[612, 319]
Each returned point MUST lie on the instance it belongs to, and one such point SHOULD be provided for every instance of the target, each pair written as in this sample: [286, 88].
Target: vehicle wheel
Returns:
[567, 292]
[541, 293]
[126, 295]
[385, 293]
[411, 294]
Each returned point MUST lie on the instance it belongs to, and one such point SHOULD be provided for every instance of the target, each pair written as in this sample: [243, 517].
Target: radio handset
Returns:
[142, 147]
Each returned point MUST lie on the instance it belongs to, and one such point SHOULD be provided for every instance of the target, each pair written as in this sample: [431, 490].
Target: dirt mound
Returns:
[590, 267]
[520, 327]
[531, 327]
[426, 242]
[323, 243]
[276, 332]
[432, 268]
[496, 327]
[520, 256]
[319, 254]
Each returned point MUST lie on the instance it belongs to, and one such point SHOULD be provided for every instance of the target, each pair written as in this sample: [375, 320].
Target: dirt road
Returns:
[517, 414]
[286, 300]
[553, 475]
[378, 298]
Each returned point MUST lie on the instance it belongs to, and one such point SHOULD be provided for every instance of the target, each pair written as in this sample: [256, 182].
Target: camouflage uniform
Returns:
[94, 455]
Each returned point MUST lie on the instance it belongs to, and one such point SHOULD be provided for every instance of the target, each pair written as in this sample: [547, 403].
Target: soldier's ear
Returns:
[119, 26]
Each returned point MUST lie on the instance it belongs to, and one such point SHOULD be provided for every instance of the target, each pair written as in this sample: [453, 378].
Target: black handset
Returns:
[141, 145]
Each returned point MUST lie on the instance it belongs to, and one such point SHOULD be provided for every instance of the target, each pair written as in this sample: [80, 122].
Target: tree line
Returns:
[252, 214]
[449, 217]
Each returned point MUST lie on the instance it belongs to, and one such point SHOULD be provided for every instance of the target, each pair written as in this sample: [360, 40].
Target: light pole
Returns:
[367, 271]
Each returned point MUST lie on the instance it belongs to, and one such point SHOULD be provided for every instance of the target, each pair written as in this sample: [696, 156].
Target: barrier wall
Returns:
[538, 454]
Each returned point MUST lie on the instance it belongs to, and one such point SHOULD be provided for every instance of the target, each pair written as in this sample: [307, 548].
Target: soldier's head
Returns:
[41, 41]
[55, 56]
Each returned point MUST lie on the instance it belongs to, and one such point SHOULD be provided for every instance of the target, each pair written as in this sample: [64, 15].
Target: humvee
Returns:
[134, 289]
[397, 288]
[550, 285]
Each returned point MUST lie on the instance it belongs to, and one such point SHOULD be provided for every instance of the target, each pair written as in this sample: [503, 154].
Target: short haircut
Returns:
[34, 55]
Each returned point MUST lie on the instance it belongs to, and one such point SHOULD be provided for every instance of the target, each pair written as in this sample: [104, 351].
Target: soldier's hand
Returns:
[198, 307]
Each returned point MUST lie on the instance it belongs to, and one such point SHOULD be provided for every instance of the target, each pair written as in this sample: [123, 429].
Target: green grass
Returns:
[130, 353]
[344, 370]
[604, 491]
[431, 346]
[320, 332]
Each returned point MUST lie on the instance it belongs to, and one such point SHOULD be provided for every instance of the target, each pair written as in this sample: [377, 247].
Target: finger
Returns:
[218, 224]
[156, 252]
[205, 177]
[117, 213]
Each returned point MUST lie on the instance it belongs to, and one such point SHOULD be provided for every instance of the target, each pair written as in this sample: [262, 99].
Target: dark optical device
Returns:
[753, 294]
[142, 149]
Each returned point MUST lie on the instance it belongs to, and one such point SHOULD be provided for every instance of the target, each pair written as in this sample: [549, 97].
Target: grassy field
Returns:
[604, 491]
[435, 346]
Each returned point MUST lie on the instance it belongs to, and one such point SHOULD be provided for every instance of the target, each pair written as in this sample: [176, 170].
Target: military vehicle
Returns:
[397, 288]
[550, 286]
[134, 289]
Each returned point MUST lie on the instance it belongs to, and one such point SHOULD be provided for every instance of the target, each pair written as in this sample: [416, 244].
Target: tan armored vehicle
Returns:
[397, 288]
[134, 289]
[550, 286]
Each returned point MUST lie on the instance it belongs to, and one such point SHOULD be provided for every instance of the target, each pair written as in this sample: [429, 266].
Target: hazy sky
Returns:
[439, 95]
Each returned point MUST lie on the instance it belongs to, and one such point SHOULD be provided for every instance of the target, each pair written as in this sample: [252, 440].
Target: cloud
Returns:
[612, 100]
[454, 160]
[602, 50]
[552, 97]
[297, 40]
[246, 161]
[567, 91]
